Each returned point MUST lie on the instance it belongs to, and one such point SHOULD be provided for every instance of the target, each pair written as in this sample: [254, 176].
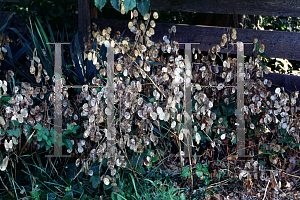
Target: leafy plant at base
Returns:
[45, 137]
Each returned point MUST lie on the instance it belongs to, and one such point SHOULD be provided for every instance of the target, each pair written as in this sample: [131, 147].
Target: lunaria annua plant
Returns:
[148, 92]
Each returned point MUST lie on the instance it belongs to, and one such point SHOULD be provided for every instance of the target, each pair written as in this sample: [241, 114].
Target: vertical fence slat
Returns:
[110, 99]
[188, 101]
[58, 103]
[240, 101]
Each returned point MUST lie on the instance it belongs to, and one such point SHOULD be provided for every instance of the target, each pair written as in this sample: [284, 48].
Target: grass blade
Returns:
[133, 181]
[78, 68]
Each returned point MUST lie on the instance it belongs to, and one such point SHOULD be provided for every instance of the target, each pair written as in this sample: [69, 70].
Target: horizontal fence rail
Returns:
[289, 8]
[277, 44]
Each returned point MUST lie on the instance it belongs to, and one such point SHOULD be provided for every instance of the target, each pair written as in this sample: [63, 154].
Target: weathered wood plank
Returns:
[84, 19]
[291, 83]
[288, 8]
[9, 1]
[278, 44]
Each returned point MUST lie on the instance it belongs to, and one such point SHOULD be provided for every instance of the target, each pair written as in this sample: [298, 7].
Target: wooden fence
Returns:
[278, 44]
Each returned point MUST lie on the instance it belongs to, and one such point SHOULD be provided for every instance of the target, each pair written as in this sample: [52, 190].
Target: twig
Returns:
[224, 181]
[26, 143]
[266, 190]
[291, 175]
[9, 192]
[150, 79]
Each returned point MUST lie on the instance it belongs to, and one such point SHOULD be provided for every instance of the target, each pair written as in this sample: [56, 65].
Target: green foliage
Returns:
[13, 132]
[228, 110]
[186, 172]
[35, 195]
[95, 180]
[203, 173]
[135, 179]
[68, 196]
[45, 137]
[129, 5]
[5, 98]
[115, 4]
[141, 5]
[148, 189]
[36, 42]
[100, 4]
[59, 14]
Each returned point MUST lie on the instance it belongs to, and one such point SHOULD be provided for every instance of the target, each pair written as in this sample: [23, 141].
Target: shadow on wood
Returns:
[277, 44]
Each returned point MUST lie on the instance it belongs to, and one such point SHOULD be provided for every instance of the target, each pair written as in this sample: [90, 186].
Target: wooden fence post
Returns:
[84, 20]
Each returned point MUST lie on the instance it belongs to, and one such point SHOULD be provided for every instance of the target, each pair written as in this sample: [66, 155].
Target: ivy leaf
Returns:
[5, 98]
[13, 132]
[80, 135]
[48, 146]
[107, 187]
[15, 122]
[42, 144]
[100, 4]
[68, 196]
[234, 140]
[296, 145]
[148, 167]
[51, 139]
[229, 109]
[199, 166]
[44, 137]
[205, 165]
[143, 6]
[68, 144]
[75, 128]
[154, 159]
[290, 140]
[199, 173]
[182, 196]
[39, 126]
[35, 195]
[129, 5]
[115, 4]
[206, 181]
[205, 171]
[52, 132]
[95, 181]
[49, 142]
[69, 127]
[186, 172]
[67, 132]
[151, 100]
[45, 131]
[282, 140]
[147, 153]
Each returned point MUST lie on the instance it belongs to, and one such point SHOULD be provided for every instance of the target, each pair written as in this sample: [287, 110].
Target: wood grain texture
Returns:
[278, 44]
[291, 83]
[84, 19]
[287, 8]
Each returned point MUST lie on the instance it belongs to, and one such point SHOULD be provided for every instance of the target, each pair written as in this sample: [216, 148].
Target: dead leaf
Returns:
[232, 157]
[273, 184]
[194, 161]
[214, 174]
[208, 197]
[249, 183]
